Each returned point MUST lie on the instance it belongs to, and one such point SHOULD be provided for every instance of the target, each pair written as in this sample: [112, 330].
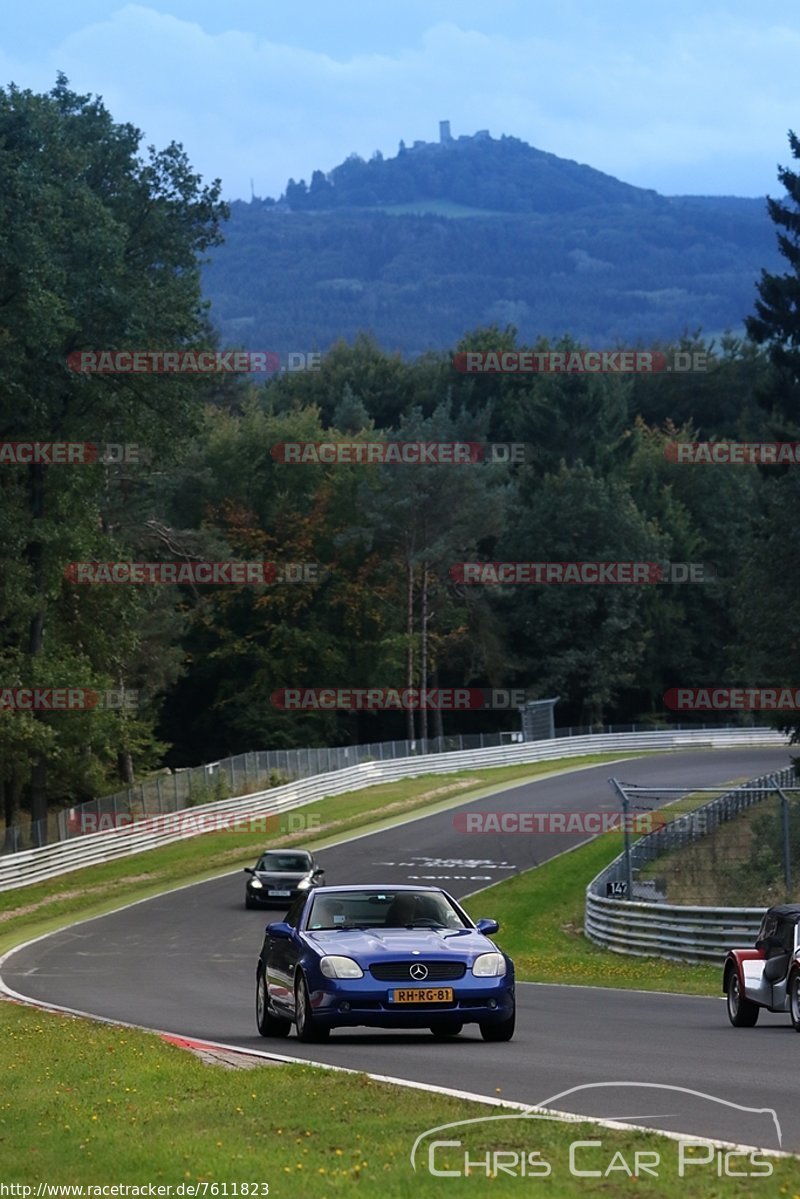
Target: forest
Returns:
[102, 249]
[417, 249]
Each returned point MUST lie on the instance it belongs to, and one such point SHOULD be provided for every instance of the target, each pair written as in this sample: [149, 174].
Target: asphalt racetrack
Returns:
[185, 963]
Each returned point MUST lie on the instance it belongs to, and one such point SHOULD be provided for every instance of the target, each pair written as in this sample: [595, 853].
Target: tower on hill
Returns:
[444, 133]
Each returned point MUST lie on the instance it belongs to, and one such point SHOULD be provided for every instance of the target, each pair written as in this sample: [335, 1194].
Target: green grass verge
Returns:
[93, 1104]
[541, 926]
[541, 916]
[737, 864]
[32, 911]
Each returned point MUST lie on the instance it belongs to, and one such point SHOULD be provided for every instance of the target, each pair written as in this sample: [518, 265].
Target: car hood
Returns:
[378, 944]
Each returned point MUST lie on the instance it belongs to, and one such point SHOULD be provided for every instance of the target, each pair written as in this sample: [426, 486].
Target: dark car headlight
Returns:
[304, 883]
[256, 884]
[489, 965]
[335, 966]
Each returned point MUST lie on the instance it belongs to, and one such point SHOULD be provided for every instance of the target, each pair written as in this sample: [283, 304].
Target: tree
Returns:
[768, 590]
[422, 520]
[584, 643]
[98, 248]
[777, 320]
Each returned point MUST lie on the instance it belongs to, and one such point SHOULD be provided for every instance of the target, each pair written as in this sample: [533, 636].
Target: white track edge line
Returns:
[431, 1088]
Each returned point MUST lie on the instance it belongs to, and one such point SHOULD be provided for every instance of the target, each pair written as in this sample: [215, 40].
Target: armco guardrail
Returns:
[688, 934]
[243, 774]
[34, 865]
[677, 931]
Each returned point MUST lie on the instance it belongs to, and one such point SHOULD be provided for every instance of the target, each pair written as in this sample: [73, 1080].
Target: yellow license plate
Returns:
[422, 995]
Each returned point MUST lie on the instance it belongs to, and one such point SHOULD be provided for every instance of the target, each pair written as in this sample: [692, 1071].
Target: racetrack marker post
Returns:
[787, 858]
[617, 786]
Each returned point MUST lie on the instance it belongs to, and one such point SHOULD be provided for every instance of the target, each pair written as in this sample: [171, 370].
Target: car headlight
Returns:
[339, 967]
[304, 884]
[489, 965]
[256, 884]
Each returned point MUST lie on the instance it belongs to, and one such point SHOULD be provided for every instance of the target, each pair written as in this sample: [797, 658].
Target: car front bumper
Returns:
[262, 897]
[365, 1001]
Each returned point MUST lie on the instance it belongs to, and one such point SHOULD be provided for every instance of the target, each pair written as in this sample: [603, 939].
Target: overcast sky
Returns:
[685, 96]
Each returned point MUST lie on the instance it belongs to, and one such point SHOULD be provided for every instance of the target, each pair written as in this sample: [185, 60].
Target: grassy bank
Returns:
[92, 1104]
[541, 926]
[738, 864]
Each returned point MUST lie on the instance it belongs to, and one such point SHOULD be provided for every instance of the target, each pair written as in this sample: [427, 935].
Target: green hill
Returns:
[449, 236]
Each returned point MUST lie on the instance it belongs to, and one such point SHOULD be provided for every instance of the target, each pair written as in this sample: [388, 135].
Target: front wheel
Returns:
[268, 1025]
[502, 1031]
[742, 1012]
[308, 1030]
[794, 999]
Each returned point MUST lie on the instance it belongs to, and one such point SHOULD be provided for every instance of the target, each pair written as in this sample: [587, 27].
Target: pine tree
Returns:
[778, 310]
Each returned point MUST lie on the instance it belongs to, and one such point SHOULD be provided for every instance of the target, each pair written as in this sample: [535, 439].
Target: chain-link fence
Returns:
[244, 774]
[739, 850]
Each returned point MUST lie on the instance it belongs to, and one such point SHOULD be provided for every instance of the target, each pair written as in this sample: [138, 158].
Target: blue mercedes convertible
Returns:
[386, 957]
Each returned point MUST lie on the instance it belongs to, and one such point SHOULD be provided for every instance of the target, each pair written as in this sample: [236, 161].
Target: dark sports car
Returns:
[279, 876]
[387, 957]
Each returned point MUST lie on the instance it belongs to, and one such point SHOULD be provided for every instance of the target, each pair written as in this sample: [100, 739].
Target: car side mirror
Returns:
[318, 872]
[249, 870]
[280, 930]
[486, 926]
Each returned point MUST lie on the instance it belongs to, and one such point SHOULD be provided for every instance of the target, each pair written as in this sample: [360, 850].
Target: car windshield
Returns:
[385, 909]
[289, 862]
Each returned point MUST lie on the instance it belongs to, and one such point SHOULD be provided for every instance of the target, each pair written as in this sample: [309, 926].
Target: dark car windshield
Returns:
[384, 909]
[294, 862]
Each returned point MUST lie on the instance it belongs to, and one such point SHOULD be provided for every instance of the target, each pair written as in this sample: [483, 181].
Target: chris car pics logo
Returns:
[481, 1147]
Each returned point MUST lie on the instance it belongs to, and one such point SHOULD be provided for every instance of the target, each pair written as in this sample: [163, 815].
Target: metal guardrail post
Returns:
[627, 834]
[787, 860]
